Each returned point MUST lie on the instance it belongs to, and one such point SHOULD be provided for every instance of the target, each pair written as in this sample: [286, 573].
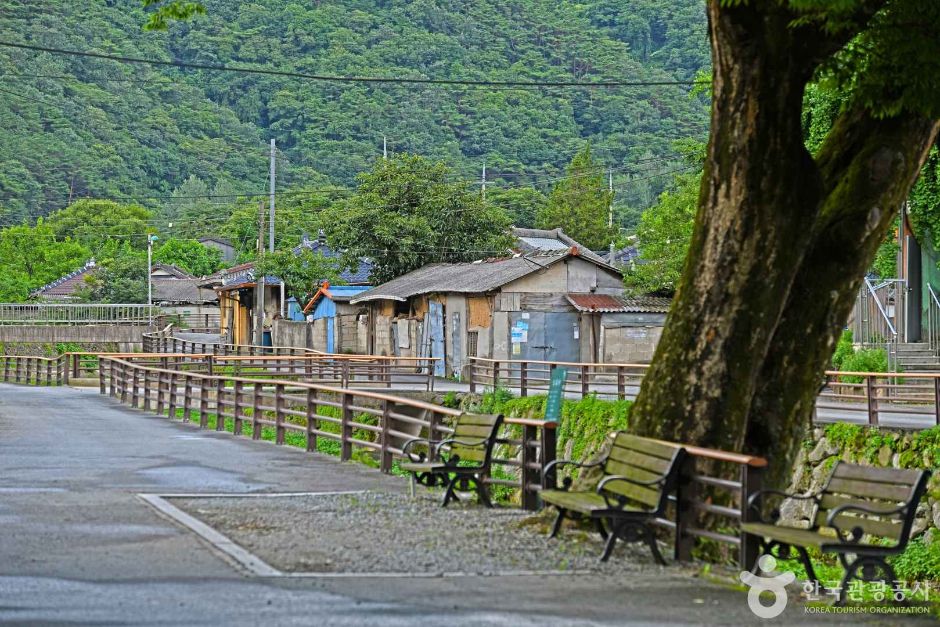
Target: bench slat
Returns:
[640, 460]
[868, 489]
[879, 475]
[884, 527]
[646, 446]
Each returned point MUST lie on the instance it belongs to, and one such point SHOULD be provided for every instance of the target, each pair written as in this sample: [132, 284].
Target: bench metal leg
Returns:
[557, 525]
[450, 493]
[651, 540]
[599, 525]
[611, 541]
[864, 569]
[482, 491]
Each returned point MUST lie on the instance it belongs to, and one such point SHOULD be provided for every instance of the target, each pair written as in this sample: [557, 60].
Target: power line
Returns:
[400, 80]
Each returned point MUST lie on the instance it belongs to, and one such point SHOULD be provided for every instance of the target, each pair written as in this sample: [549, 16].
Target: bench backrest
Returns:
[473, 428]
[643, 460]
[876, 488]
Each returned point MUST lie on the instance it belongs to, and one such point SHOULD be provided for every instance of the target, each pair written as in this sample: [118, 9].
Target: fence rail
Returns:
[905, 400]
[715, 483]
[61, 313]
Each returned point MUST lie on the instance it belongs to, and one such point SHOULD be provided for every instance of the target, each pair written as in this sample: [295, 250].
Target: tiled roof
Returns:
[65, 286]
[475, 277]
[174, 271]
[181, 291]
[603, 303]
[356, 276]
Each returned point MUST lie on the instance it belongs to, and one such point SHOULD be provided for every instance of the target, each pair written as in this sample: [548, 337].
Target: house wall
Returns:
[291, 333]
[571, 276]
[630, 337]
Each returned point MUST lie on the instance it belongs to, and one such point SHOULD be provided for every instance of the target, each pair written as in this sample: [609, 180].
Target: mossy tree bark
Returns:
[780, 245]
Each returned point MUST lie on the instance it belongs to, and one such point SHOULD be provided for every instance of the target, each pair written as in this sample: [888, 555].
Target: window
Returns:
[472, 343]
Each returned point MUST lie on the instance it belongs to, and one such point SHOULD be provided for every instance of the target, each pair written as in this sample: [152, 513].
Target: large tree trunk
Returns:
[863, 194]
[759, 192]
[780, 245]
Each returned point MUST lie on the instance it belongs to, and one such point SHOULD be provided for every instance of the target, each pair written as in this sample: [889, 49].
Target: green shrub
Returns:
[865, 360]
[844, 349]
[920, 561]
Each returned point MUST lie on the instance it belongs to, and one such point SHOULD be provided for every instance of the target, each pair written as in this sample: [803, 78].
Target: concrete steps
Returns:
[918, 357]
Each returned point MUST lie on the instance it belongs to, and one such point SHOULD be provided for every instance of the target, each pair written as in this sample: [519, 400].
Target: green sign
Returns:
[556, 390]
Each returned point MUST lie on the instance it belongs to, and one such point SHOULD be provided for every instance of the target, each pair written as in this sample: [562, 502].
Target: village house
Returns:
[65, 288]
[508, 308]
[182, 297]
[283, 317]
[222, 245]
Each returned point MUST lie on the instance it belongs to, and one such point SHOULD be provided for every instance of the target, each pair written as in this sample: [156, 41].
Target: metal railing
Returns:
[878, 316]
[90, 313]
[911, 401]
[933, 319]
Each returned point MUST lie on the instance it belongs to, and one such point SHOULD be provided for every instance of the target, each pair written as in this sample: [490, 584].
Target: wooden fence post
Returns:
[473, 375]
[548, 450]
[238, 413]
[531, 471]
[385, 460]
[345, 451]
[203, 403]
[872, 402]
[585, 381]
[312, 423]
[936, 401]
[495, 374]
[279, 413]
[219, 404]
[256, 413]
[621, 384]
[750, 483]
[523, 378]
[146, 390]
[135, 402]
[685, 494]
[171, 401]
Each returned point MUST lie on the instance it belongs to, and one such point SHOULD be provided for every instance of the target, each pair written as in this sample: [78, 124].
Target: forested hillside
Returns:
[72, 127]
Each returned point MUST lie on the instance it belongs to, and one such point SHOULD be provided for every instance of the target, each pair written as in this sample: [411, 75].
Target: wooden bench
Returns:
[458, 461]
[638, 476]
[861, 511]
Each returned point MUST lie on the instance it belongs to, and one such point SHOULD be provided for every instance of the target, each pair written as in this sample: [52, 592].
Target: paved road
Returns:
[79, 547]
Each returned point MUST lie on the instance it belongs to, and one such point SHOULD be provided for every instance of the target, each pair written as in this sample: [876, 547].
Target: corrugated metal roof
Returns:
[595, 302]
[476, 277]
[603, 303]
[538, 240]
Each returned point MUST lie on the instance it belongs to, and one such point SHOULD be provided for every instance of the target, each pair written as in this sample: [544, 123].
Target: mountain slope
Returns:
[130, 130]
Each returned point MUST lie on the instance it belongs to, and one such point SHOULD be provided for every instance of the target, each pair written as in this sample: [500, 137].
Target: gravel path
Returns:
[388, 533]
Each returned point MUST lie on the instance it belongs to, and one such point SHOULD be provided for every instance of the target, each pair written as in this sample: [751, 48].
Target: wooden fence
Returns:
[355, 419]
[715, 483]
[904, 400]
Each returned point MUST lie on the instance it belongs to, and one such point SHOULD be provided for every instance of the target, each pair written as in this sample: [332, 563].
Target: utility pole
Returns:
[483, 182]
[384, 147]
[259, 280]
[150, 241]
[271, 225]
[610, 199]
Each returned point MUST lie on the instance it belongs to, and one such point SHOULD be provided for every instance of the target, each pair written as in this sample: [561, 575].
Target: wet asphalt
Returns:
[78, 547]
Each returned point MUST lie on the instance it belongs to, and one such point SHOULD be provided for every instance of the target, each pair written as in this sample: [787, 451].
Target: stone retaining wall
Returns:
[886, 448]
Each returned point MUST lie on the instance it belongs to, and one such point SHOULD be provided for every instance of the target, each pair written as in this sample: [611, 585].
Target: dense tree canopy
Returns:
[189, 255]
[31, 257]
[406, 213]
[580, 203]
[73, 127]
